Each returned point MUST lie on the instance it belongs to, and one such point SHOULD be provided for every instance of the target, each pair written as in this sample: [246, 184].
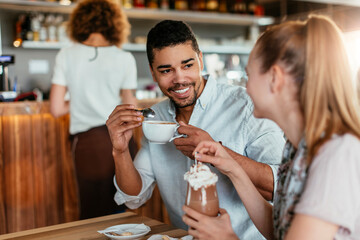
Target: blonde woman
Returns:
[98, 75]
[299, 77]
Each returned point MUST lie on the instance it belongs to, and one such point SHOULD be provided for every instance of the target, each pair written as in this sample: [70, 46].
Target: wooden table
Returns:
[87, 229]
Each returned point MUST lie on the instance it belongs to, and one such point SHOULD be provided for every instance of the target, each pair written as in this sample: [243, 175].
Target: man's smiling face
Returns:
[177, 70]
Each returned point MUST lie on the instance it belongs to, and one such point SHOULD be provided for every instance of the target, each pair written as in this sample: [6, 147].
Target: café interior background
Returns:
[35, 147]
[33, 66]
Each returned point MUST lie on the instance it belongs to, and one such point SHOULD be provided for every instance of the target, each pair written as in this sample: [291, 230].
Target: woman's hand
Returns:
[215, 153]
[120, 124]
[203, 227]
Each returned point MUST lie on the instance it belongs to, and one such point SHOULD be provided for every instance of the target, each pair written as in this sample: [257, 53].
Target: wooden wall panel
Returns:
[39, 170]
[52, 171]
[2, 184]
[37, 182]
[18, 173]
[69, 185]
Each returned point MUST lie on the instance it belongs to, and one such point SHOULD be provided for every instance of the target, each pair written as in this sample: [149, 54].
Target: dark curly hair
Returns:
[169, 33]
[99, 16]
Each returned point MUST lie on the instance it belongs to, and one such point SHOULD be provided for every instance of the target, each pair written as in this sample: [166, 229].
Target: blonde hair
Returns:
[313, 52]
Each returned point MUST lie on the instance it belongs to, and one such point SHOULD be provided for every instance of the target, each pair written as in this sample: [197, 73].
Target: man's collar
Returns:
[207, 92]
[171, 108]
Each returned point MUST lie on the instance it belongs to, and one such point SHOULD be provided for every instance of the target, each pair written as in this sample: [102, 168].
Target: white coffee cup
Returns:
[160, 132]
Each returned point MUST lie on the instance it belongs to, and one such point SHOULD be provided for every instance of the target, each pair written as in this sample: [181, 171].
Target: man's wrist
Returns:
[117, 152]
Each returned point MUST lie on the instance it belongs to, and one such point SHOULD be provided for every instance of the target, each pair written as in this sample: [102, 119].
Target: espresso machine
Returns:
[6, 91]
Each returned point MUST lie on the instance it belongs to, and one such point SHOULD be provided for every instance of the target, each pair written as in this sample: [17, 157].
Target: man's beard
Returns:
[188, 102]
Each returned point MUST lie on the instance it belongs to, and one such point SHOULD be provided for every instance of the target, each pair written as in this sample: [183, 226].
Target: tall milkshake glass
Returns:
[201, 192]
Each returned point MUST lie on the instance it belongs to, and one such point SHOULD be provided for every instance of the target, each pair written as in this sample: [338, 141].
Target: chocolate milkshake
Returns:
[201, 194]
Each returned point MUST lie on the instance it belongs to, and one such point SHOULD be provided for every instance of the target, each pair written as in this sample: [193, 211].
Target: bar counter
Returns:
[87, 229]
[37, 178]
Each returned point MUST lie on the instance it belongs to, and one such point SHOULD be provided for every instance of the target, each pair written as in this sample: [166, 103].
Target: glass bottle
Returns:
[259, 10]
[152, 4]
[26, 31]
[223, 6]
[240, 6]
[198, 5]
[251, 8]
[18, 30]
[139, 3]
[181, 5]
[127, 4]
[212, 5]
[164, 4]
[43, 28]
[51, 28]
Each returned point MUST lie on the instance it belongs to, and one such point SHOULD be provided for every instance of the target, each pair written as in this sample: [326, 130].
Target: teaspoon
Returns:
[147, 112]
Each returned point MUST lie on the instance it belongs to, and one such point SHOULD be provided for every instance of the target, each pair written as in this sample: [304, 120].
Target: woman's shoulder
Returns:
[339, 144]
[339, 150]
[121, 54]
[118, 50]
[73, 49]
[331, 191]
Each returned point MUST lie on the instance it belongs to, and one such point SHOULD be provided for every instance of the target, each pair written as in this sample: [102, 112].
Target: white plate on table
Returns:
[138, 230]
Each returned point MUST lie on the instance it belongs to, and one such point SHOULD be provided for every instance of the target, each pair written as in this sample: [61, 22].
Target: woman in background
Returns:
[98, 75]
[299, 77]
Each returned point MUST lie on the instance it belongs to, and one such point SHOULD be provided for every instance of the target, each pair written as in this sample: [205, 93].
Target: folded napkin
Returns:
[134, 229]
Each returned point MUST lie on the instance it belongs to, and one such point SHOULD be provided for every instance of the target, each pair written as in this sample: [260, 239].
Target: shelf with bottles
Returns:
[38, 30]
[199, 17]
[244, 48]
[147, 13]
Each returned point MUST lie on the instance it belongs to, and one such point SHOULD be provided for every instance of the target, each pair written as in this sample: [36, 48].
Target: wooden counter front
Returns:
[37, 178]
[37, 184]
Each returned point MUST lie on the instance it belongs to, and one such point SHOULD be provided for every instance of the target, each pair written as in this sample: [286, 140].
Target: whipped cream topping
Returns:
[199, 176]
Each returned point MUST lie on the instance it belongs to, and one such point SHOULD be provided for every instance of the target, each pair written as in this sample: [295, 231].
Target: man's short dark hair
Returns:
[169, 33]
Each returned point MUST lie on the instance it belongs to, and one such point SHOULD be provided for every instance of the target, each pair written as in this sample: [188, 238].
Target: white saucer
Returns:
[160, 237]
[138, 231]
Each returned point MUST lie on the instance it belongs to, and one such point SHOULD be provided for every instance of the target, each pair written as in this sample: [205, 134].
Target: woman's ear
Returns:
[277, 78]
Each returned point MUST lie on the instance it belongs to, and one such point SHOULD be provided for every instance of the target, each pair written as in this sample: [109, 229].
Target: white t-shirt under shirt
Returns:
[94, 78]
[332, 190]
